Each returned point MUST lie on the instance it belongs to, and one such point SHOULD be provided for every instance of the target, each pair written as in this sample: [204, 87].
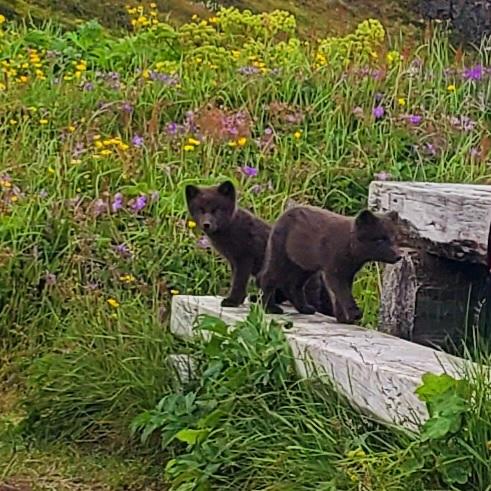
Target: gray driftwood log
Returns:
[429, 296]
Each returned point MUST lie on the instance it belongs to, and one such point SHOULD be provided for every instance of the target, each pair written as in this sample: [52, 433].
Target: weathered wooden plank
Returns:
[429, 296]
[450, 220]
[378, 373]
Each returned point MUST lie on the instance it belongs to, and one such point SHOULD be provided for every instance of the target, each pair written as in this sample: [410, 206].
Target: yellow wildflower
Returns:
[98, 144]
[113, 303]
[242, 141]
[2, 19]
[2, 87]
[67, 78]
[71, 129]
[13, 122]
[213, 20]
[297, 134]
[81, 67]
[145, 73]
[23, 79]
[193, 141]
[192, 224]
[401, 101]
[51, 170]
[232, 144]
[127, 278]
[188, 148]
[451, 88]
[153, 5]
[43, 121]
[96, 137]
[105, 152]
[124, 146]
[174, 292]
[393, 56]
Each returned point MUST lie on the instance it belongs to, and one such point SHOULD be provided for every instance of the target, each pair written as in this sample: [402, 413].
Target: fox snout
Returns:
[395, 256]
[207, 223]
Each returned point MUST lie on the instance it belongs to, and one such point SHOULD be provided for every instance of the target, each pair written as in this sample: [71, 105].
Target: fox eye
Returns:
[381, 240]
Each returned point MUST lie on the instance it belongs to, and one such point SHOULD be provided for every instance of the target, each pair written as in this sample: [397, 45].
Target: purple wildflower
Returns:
[112, 80]
[378, 112]
[249, 171]
[139, 203]
[463, 123]
[382, 176]
[474, 73]
[203, 242]
[415, 119]
[88, 86]
[123, 250]
[249, 70]
[172, 128]
[170, 80]
[137, 141]
[430, 149]
[117, 203]
[127, 107]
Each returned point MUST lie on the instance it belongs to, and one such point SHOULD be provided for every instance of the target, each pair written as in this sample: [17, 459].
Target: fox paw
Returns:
[307, 309]
[350, 316]
[230, 302]
[274, 309]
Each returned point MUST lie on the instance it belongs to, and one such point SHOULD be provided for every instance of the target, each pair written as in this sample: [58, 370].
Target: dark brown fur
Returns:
[241, 238]
[307, 239]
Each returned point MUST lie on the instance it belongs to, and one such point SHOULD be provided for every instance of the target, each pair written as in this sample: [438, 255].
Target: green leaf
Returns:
[212, 324]
[436, 428]
[456, 471]
[434, 385]
[191, 437]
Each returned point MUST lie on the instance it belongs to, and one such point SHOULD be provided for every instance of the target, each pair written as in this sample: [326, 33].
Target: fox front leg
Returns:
[240, 278]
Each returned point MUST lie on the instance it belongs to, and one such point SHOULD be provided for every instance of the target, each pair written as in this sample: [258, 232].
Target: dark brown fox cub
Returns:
[307, 239]
[241, 238]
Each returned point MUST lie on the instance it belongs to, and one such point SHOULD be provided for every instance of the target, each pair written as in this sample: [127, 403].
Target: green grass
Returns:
[101, 132]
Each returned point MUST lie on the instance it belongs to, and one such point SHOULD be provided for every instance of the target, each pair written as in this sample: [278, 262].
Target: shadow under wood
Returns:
[432, 301]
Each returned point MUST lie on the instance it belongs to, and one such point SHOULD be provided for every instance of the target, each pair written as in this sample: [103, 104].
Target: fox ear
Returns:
[227, 189]
[366, 219]
[191, 192]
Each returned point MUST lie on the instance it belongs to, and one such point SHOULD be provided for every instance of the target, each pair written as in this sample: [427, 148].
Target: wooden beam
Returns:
[448, 220]
[377, 372]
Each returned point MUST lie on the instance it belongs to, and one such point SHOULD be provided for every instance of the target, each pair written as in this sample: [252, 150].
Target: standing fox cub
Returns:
[241, 238]
[307, 239]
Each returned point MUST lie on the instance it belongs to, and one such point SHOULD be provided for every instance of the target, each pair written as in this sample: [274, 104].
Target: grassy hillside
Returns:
[314, 17]
[101, 133]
